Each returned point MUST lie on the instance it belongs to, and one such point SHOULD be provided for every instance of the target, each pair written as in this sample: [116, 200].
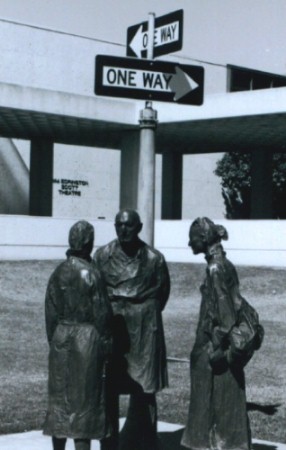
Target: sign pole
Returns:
[146, 175]
[151, 30]
[142, 77]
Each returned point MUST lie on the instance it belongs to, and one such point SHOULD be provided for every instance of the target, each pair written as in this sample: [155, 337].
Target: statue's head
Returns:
[127, 225]
[204, 233]
[81, 236]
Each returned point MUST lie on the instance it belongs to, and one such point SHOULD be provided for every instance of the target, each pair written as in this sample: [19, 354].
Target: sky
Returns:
[248, 33]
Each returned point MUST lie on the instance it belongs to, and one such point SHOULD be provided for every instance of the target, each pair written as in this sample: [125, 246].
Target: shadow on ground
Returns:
[270, 410]
[170, 440]
[264, 446]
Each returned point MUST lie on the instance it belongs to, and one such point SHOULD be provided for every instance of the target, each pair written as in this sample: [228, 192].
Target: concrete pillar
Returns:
[261, 184]
[172, 185]
[146, 177]
[41, 178]
[129, 170]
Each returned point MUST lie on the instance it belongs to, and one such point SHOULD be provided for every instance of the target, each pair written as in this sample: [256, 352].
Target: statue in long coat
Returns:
[78, 324]
[138, 285]
[224, 344]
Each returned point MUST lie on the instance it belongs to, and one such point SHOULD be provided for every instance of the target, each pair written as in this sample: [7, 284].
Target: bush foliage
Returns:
[235, 172]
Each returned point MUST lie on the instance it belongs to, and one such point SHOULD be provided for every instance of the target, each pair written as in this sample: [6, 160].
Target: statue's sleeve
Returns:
[165, 285]
[99, 258]
[51, 313]
[96, 259]
[101, 304]
[224, 305]
[102, 311]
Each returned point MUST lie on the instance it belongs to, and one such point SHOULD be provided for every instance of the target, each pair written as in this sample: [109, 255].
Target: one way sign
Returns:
[168, 36]
[149, 80]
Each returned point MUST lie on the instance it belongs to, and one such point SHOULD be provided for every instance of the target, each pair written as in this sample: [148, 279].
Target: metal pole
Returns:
[151, 31]
[146, 176]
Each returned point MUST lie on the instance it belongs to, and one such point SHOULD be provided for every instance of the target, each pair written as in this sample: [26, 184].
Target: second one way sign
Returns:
[149, 80]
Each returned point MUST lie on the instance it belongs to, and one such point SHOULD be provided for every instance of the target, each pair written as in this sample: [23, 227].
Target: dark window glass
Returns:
[279, 82]
[261, 81]
[241, 79]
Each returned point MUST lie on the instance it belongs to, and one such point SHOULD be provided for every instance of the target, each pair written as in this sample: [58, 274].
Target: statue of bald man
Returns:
[138, 285]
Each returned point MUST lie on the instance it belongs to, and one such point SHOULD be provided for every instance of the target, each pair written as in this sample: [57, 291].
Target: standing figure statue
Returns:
[78, 324]
[228, 333]
[138, 285]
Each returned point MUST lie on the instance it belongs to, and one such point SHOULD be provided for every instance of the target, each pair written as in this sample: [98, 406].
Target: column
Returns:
[261, 184]
[41, 178]
[129, 170]
[172, 179]
[146, 176]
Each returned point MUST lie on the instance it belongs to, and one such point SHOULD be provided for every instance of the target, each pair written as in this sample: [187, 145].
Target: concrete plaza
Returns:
[169, 435]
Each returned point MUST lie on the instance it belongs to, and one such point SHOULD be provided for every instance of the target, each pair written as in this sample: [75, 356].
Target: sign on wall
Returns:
[70, 187]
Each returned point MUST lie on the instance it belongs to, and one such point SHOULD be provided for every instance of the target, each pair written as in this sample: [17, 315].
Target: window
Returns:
[242, 79]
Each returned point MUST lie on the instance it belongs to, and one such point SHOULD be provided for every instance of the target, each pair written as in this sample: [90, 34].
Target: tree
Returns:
[235, 172]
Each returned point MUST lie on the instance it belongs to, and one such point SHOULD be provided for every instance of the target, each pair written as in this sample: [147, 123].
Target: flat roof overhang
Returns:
[32, 113]
[228, 122]
[240, 121]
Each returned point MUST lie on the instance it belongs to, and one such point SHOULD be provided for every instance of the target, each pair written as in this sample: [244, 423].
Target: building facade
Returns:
[74, 154]
[86, 180]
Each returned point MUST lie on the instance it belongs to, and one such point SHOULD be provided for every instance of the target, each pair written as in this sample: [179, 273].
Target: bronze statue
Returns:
[228, 333]
[138, 285]
[78, 325]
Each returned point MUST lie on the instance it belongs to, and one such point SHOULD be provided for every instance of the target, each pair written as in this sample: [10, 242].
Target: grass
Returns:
[24, 350]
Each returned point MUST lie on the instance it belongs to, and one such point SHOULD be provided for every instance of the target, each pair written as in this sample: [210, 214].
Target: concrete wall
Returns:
[251, 242]
[201, 188]
[99, 168]
[60, 62]
[258, 243]
[26, 237]
[50, 60]
[64, 62]
[94, 182]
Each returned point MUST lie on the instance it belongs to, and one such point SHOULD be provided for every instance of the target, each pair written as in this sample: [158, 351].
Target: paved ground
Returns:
[170, 436]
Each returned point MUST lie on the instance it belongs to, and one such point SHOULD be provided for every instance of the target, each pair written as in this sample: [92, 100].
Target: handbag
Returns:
[246, 336]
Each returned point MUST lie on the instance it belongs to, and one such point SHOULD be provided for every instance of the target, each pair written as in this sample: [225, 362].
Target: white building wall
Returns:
[158, 186]
[64, 62]
[86, 182]
[257, 243]
[49, 60]
[201, 187]
[57, 61]
[100, 197]
[23, 148]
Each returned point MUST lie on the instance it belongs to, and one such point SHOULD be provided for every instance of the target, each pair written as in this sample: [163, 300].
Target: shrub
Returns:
[235, 172]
